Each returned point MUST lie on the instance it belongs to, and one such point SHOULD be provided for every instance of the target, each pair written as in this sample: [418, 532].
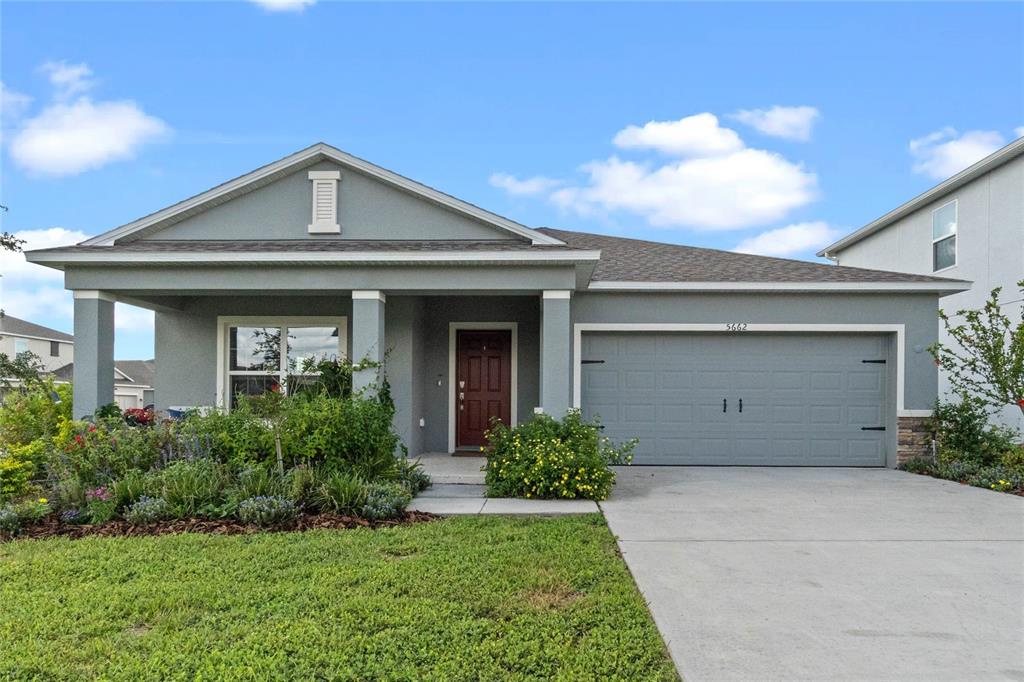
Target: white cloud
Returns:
[12, 104]
[946, 152]
[789, 123]
[525, 187]
[68, 80]
[33, 292]
[36, 293]
[284, 5]
[741, 189]
[790, 240]
[697, 135]
[65, 139]
[1019, 132]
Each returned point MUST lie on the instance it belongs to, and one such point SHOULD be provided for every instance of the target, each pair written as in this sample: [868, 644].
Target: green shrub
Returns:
[962, 431]
[9, 521]
[131, 487]
[257, 482]
[354, 433]
[239, 437]
[918, 465]
[34, 413]
[32, 511]
[147, 510]
[301, 484]
[550, 458]
[194, 488]
[267, 510]
[997, 477]
[385, 501]
[101, 511]
[342, 493]
[19, 466]
[412, 475]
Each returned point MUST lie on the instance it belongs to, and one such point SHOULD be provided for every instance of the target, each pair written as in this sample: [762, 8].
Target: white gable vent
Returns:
[325, 202]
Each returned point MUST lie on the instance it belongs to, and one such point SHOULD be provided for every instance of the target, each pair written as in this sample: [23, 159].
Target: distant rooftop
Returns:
[16, 326]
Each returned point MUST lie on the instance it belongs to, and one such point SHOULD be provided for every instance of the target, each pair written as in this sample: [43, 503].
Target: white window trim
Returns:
[454, 327]
[955, 236]
[223, 338]
[898, 329]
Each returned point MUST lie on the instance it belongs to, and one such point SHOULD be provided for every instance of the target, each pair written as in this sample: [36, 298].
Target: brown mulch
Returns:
[51, 527]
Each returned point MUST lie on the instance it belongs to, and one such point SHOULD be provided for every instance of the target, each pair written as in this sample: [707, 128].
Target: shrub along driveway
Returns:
[870, 574]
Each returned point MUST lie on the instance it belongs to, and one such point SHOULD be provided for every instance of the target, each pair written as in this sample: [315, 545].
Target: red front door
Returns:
[483, 383]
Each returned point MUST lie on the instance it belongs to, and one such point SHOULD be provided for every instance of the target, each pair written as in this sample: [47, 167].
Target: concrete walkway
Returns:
[450, 499]
[825, 574]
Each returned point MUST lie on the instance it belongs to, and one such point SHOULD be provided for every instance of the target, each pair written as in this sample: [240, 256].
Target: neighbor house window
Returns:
[265, 355]
[944, 220]
[54, 349]
[20, 346]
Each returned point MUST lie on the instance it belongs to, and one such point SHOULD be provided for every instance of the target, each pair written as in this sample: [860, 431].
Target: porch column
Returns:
[555, 351]
[94, 352]
[367, 335]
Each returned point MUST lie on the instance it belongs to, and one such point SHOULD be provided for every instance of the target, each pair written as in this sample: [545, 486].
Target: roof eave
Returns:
[943, 287]
[986, 165]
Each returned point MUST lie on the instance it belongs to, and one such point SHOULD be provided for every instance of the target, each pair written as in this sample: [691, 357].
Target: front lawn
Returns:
[463, 598]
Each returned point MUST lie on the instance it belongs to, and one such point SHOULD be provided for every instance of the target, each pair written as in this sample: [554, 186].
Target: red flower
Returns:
[275, 388]
[92, 427]
[79, 439]
[1020, 403]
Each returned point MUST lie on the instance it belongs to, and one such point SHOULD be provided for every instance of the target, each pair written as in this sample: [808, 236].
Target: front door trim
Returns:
[454, 327]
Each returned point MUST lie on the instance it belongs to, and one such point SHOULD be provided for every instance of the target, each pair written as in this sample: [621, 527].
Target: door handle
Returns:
[724, 405]
[741, 404]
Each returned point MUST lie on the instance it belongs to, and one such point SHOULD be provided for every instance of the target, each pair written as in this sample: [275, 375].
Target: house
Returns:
[53, 348]
[133, 381]
[708, 357]
[969, 227]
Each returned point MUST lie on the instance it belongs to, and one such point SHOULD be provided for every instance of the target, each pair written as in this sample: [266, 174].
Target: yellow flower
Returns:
[42, 500]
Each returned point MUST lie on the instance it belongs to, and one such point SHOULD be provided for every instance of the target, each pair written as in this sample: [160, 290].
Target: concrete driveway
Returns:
[820, 574]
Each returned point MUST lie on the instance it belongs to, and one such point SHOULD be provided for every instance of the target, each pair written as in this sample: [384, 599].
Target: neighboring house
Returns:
[970, 227]
[708, 357]
[133, 381]
[52, 347]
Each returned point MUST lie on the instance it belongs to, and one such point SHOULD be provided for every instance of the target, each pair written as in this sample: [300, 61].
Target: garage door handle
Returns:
[872, 428]
[741, 405]
[724, 404]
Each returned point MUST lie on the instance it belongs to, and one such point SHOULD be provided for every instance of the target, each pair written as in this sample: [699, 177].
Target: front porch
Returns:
[203, 356]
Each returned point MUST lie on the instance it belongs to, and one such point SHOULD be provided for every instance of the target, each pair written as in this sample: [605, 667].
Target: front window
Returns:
[20, 346]
[269, 355]
[944, 228]
[54, 349]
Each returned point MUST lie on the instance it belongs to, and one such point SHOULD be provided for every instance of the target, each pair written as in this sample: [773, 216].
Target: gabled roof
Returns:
[635, 264]
[15, 326]
[986, 165]
[291, 163]
[135, 372]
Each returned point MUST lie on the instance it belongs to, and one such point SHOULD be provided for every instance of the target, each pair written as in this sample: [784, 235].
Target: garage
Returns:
[748, 398]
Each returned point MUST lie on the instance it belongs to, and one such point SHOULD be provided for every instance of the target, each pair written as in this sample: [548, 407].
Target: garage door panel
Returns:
[805, 397]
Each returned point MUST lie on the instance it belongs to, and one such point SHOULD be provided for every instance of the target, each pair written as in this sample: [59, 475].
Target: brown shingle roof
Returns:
[636, 260]
[18, 327]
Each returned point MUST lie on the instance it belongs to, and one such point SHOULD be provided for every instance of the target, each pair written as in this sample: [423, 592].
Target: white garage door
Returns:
[740, 399]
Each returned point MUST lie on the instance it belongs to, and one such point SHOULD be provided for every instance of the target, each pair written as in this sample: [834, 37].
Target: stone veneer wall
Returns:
[913, 438]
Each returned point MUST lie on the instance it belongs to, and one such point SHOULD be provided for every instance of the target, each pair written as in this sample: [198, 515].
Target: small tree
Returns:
[987, 360]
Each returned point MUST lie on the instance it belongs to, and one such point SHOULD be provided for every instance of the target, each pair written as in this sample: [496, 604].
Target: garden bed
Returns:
[52, 527]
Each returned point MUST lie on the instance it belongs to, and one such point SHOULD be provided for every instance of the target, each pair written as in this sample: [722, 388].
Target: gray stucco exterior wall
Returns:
[367, 209]
[556, 354]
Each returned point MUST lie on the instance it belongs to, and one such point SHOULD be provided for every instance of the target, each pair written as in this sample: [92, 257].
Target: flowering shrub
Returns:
[96, 454]
[267, 510]
[548, 458]
[385, 501]
[137, 416]
[147, 510]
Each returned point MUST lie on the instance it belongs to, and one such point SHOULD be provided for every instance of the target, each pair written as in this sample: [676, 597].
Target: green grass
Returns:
[480, 598]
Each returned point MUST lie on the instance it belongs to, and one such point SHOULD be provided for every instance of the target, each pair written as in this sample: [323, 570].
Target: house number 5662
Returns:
[736, 326]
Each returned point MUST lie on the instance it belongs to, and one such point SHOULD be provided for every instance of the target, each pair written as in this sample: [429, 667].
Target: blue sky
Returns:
[775, 127]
